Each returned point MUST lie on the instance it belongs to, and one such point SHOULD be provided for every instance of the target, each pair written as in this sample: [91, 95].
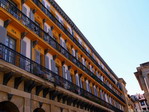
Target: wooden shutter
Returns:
[37, 56]
[47, 62]
[53, 66]
[3, 34]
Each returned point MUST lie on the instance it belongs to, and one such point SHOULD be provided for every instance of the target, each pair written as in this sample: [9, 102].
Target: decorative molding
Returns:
[46, 51]
[7, 22]
[35, 42]
[23, 34]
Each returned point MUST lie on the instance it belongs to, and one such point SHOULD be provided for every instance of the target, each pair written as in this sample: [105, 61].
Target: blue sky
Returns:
[117, 29]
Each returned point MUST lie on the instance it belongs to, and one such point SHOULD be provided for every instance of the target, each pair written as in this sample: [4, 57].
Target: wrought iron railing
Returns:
[50, 40]
[54, 19]
[11, 56]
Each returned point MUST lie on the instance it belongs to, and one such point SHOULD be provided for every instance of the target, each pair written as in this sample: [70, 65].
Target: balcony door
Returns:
[9, 55]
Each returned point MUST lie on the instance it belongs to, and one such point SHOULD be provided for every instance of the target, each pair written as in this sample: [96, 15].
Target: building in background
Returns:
[140, 103]
[128, 100]
[142, 76]
[47, 65]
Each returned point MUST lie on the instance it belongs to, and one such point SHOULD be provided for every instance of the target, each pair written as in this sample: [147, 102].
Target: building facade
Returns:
[140, 103]
[47, 65]
[128, 100]
[142, 76]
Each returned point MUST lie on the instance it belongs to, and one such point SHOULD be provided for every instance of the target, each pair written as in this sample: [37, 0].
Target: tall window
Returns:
[73, 52]
[11, 43]
[95, 91]
[57, 70]
[88, 86]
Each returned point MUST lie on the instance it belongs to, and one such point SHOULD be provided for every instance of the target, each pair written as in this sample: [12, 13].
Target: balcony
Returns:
[54, 19]
[50, 40]
[36, 69]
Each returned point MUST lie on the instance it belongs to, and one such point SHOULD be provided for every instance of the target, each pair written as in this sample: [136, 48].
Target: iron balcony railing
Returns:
[54, 19]
[11, 56]
[8, 6]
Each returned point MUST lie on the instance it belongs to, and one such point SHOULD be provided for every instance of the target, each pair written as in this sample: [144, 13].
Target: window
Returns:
[95, 91]
[69, 29]
[83, 61]
[11, 43]
[88, 86]
[91, 68]
[48, 7]
[142, 103]
[62, 43]
[73, 52]
[57, 70]
[59, 18]
[13, 7]
[144, 108]
[101, 77]
[36, 28]
[77, 80]
[79, 40]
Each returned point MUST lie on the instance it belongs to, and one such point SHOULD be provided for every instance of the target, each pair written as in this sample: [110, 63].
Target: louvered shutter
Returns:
[37, 58]
[47, 62]
[53, 66]
[3, 34]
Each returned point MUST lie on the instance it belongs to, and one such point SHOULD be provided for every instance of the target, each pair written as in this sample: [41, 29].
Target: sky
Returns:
[117, 29]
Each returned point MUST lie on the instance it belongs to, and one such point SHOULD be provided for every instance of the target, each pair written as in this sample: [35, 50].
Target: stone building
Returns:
[142, 76]
[47, 64]
[140, 103]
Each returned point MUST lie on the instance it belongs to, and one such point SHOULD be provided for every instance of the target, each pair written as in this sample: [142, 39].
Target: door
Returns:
[9, 55]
